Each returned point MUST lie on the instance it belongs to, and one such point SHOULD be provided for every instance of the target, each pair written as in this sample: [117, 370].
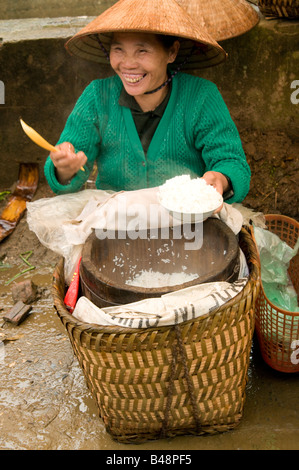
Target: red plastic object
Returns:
[71, 295]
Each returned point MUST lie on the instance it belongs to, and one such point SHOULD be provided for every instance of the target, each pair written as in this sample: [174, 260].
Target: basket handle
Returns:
[178, 347]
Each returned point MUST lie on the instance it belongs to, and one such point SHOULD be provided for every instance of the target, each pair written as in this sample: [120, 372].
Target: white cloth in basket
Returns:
[169, 309]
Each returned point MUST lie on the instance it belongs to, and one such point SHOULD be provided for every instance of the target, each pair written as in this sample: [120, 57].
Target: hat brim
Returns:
[200, 55]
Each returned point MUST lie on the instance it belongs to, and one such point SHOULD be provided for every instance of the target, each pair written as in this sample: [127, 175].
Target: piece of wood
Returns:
[16, 204]
[18, 313]
[26, 291]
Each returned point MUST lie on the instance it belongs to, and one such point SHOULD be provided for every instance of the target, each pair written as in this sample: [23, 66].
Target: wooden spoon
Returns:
[38, 139]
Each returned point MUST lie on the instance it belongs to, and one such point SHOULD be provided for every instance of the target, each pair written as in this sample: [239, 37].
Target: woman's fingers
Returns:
[82, 158]
[219, 181]
[216, 179]
[66, 161]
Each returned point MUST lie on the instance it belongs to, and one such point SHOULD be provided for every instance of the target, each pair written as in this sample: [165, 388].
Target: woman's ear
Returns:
[173, 51]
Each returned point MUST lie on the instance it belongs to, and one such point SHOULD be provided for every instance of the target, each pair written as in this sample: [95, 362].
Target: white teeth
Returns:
[133, 80]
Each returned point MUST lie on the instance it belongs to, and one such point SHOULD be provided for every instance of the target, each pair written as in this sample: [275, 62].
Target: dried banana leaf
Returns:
[16, 204]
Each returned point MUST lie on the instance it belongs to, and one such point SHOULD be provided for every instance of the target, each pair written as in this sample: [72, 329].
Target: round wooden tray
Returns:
[107, 264]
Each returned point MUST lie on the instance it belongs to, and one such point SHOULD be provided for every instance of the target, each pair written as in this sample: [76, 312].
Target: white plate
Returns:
[188, 217]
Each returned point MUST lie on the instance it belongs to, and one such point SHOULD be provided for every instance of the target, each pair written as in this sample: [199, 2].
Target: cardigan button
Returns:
[143, 163]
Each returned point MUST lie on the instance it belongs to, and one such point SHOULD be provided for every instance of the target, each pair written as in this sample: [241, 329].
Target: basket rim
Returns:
[283, 217]
[278, 9]
[63, 313]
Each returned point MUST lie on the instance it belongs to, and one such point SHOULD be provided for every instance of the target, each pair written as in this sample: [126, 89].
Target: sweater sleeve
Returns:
[82, 131]
[219, 142]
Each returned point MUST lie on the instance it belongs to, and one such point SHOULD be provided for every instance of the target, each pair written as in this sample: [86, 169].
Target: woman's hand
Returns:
[218, 180]
[67, 162]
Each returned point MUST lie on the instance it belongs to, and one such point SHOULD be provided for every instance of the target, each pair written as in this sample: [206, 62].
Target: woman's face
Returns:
[141, 61]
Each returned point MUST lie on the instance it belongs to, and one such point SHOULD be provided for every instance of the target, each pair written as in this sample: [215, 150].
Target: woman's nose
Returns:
[129, 61]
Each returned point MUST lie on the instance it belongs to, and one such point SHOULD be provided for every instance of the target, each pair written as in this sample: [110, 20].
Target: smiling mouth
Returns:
[133, 78]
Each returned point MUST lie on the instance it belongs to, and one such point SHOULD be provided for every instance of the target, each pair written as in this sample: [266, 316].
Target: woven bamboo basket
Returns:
[279, 8]
[168, 381]
[277, 329]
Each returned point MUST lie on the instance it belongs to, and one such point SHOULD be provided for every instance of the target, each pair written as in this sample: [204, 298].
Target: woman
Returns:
[150, 121]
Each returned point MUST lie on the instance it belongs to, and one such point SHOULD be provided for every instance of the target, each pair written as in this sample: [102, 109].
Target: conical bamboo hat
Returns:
[223, 19]
[149, 16]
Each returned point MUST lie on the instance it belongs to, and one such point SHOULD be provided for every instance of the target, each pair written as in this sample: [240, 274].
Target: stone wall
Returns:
[17, 9]
[258, 79]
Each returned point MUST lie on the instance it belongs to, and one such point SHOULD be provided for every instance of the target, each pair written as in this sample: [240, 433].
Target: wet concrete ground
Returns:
[45, 403]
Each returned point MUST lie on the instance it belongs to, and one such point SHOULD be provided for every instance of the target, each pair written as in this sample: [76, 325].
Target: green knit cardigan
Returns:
[196, 134]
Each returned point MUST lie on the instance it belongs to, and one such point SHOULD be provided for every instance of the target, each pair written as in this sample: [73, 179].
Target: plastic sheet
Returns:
[64, 222]
[275, 257]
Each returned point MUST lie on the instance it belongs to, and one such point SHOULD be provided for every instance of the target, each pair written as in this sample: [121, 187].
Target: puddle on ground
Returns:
[45, 403]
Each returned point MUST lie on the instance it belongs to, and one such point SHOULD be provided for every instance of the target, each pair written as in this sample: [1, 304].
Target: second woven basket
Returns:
[278, 329]
[279, 8]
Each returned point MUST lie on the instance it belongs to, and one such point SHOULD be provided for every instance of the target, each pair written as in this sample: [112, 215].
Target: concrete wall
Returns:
[14, 9]
[256, 81]
[42, 82]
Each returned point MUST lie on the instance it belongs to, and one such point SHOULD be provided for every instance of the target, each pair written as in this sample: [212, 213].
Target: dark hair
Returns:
[166, 41]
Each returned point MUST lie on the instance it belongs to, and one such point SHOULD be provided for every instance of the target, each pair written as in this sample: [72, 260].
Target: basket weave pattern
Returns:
[279, 8]
[162, 382]
[277, 328]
